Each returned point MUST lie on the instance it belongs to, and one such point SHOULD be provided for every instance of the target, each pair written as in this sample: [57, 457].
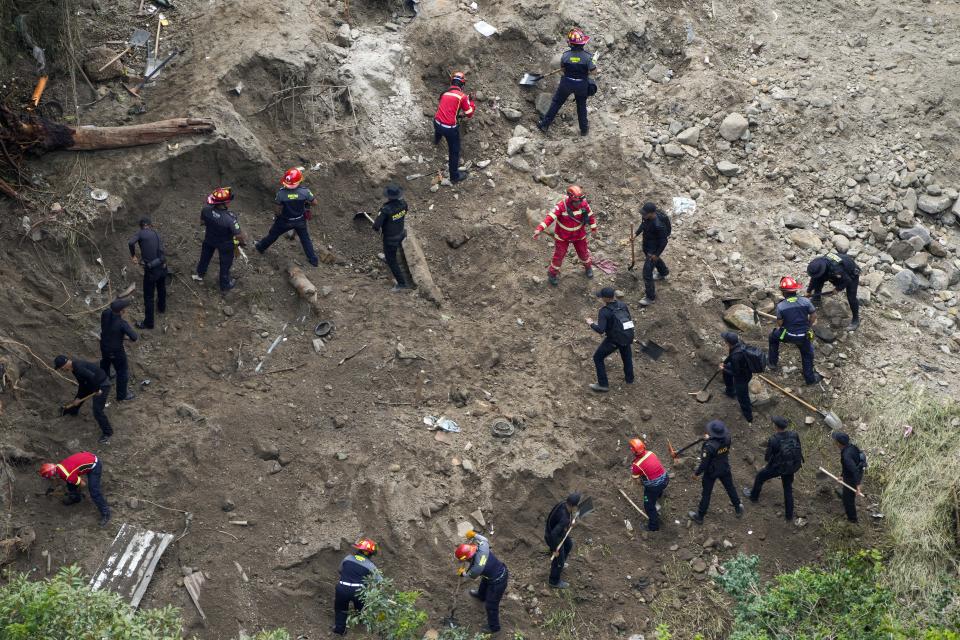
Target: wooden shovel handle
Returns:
[842, 482]
[114, 59]
[790, 395]
[632, 503]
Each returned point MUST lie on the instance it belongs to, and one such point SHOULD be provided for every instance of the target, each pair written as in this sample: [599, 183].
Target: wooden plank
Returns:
[130, 562]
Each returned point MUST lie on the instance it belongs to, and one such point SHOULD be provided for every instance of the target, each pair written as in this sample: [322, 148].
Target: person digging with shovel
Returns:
[354, 569]
[577, 66]
[737, 373]
[559, 523]
[616, 326]
[572, 216]
[480, 562]
[852, 463]
[648, 470]
[92, 382]
[390, 223]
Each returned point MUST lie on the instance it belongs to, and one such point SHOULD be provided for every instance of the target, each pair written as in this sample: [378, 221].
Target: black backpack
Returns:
[861, 458]
[756, 358]
[665, 220]
[620, 331]
[790, 456]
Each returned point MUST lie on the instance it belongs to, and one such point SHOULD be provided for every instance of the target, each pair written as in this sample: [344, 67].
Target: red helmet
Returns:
[458, 78]
[47, 469]
[577, 36]
[789, 284]
[366, 546]
[465, 552]
[637, 446]
[575, 196]
[220, 195]
[292, 178]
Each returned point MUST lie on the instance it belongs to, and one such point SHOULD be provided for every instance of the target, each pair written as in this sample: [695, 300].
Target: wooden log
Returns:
[304, 288]
[420, 270]
[93, 138]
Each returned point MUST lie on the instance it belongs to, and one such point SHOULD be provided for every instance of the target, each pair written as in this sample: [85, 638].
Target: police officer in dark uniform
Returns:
[715, 465]
[113, 329]
[795, 317]
[577, 65]
[293, 211]
[154, 262]
[492, 572]
[354, 569]
[616, 325]
[656, 234]
[91, 379]
[390, 223]
[556, 526]
[784, 457]
[222, 236]
[737, 374]
[852, 465]
[840, 270]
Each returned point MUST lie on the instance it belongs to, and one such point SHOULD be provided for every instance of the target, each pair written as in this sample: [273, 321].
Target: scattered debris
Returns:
[128, 565]
[441, 423]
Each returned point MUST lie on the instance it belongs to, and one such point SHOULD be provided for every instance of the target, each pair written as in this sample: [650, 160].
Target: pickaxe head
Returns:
[673, 452]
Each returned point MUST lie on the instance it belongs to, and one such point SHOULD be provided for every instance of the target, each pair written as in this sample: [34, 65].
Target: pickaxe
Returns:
[675, 453]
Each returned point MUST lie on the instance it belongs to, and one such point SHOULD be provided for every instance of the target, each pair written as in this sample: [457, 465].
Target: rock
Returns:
[646, 415]
[274, 467]
[795, 220]
[185, 410]
[739, 316]
[468, 466]
[901, 250]
[733, 127]
[905, 282]
[823, 331]
[512, 115]
[618, 622]
[542, 103]
[727, 168]
[673, 150]
[228, 505]
[551, 180]
[519, 164]
[918, 262]
[266, 450]
[455, 240]
[637, 636]
[343, 38]
[462, 527]
[844, 229]
[340, 455]
[394, 468]
[871, 280]
[340, 421]
[659, 73]
[939, 279]
[841, 243]
[806, 239]
[133, 503]
[431, 634]
[516, 145]
[933, 204]
[96, 58]
[689, 137]
[916, 232]
[905, 218]
[698, 565]
[478, 516]
[318, 345]
[909, 200]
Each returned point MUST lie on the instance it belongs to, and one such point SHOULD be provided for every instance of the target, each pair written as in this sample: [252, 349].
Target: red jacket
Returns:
[647, 467]
[571, 225]
[79, 464]
[452, 102]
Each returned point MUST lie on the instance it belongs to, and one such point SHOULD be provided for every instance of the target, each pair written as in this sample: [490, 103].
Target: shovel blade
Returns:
[530, 79]
[832, 421]
[585, 507]
[652, 349]
[703, 396]
[139, 38]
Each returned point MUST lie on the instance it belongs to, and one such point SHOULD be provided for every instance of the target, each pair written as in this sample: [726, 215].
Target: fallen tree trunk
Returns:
[420, 270]
[305, 289]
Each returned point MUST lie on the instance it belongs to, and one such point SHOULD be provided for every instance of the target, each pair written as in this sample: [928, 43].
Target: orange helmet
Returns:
[577, 36]
[47, 469]
[458, 78]
[220, 195]
[366, 546]
[465, 552]
[575, 194]
[637, 446]
[292, 178]
[789, 284]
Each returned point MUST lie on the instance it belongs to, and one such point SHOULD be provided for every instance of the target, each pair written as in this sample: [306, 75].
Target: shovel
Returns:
[829, 417]
[138, 38]
[652, 349]
[835, 478]
[584, 509]
[451, 620]
[531, 79]
[362, 214]
[63, 409]
[633, 250]
[703, 395]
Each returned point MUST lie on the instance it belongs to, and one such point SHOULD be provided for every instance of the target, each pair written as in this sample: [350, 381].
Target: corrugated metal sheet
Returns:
[128, 566]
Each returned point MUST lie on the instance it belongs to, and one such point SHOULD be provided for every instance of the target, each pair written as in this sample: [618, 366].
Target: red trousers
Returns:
[560, 252]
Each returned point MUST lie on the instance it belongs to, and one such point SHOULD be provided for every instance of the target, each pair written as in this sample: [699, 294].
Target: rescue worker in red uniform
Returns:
[445, 124]
[72, 470]
[572, 216]
[647, 469]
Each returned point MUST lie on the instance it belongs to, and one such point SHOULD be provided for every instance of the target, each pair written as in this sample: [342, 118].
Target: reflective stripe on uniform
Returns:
[350, 584]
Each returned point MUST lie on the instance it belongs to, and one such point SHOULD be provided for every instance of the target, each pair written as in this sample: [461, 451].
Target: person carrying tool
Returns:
[649, 471]
[795, 317]
[559, 521]
[784, 457]
[92, 381]
[715, 465]
[492, 572]
[72, 470]
[354, 569]
[222, 236]
[572, 216]
[453, 101]
[154, 262]
[390, 223]
[577, 66]
[655, 228]
[616, 326]
[853, 463]
[113, 329]
[843, 273]
[293, 210]
[737, 373]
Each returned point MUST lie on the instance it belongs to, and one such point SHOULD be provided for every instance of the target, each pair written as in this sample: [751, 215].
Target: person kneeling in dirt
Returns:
[492, 572]
[446, 125]
[390, 223]
[92, 382]
[154, 262]
[843, 273]
[293, 211]
[614, 323]
[571, 215]
[737, 373]
[354, 569]
[647, 468]
[559, 522]
[71, 470]
[577, 66]
[222, 236]
[715, 465]
[656, 229]
[784, 457]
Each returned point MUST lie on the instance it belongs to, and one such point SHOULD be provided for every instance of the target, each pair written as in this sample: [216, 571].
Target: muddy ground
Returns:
[314, 453]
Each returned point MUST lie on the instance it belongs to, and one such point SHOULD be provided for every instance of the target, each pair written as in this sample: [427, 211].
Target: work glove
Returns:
[471, 534]
[462, 571]
[536, 234]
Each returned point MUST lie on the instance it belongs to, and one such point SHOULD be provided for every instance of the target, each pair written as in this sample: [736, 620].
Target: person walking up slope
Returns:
[446, 125]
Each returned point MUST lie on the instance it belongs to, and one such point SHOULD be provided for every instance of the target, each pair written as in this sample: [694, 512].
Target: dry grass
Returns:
[702, 610]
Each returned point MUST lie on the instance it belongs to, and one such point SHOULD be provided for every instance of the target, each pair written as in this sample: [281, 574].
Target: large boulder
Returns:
[933, 204]
[733, 127]
[806, 239]
[740, 317]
